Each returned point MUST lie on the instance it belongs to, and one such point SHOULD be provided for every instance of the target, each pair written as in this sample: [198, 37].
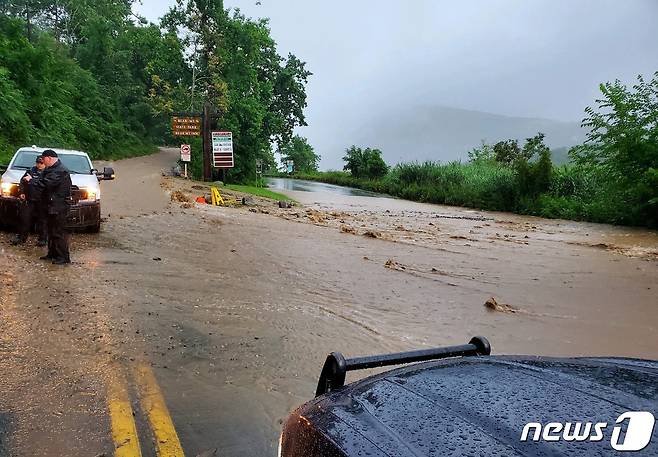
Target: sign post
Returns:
[259, 173]
[197, 124]
[185, 156]
[207, 145]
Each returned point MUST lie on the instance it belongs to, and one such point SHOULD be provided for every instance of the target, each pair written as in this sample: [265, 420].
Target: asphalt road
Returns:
[182, 329]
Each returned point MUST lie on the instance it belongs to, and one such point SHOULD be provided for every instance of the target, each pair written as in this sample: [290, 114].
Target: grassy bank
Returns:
[257, 191]
[572, 192]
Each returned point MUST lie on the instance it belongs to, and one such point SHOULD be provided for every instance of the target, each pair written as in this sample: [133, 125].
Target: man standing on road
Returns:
[31, 209]
[55, 183]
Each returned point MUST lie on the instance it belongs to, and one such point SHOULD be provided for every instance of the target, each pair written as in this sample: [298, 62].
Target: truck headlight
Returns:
[7, 188]
[90, 194]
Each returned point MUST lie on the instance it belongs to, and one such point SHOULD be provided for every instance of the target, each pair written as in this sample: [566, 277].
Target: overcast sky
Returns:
[513, 57]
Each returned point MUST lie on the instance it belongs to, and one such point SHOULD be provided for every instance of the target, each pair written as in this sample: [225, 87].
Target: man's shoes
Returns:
[42, 243]
[45, 257]
[61, 261]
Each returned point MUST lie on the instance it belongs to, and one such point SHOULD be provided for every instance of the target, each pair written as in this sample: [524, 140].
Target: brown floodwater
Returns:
[236, 308]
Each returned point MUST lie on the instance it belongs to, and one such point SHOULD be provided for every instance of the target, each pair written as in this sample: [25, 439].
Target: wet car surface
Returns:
[485, 405]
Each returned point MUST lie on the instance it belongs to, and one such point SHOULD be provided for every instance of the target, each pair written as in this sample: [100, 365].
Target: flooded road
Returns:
[234, 309]
[299, 185]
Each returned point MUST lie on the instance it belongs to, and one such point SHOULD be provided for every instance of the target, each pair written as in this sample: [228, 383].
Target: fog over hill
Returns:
[438, 133]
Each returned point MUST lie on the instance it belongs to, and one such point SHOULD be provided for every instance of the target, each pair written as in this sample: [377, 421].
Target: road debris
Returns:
[393, 265]
[372, 234]
[178, 196]
[348, 229]
[493, 305]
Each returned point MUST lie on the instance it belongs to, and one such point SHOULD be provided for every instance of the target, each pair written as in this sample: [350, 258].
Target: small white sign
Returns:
[185, 153]
[222, 149]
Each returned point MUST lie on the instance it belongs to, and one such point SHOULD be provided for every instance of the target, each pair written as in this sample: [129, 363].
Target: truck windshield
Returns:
[76, 164]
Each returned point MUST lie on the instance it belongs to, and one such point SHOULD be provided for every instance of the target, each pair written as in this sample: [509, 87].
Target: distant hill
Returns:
[443, 134]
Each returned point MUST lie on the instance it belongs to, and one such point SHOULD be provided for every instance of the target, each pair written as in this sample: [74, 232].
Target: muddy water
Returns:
[634, 242]
[235, 308]
[299, 185]
[557, 276]
[244, 306]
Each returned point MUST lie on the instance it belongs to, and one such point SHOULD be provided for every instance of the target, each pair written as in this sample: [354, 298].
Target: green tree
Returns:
[28, 10]
[14, 122]
[533, 167]
[506, 151]
[484, 153]
[260, 95]
[623, 143]
[91, 74]
[51, 100]
[365, 163]
[301, 153]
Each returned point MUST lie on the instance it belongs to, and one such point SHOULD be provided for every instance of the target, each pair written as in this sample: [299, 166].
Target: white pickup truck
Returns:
[85, 210]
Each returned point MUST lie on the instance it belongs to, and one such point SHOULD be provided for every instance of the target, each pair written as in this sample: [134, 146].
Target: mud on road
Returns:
[234, 309]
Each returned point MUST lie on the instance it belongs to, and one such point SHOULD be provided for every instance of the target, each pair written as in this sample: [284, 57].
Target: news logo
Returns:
[631, 432]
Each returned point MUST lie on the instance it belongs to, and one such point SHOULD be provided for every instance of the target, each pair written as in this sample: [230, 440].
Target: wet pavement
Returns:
[300, 185]
[234, 309]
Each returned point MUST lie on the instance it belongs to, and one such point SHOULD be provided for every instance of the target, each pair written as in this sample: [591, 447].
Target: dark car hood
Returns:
[480, 405]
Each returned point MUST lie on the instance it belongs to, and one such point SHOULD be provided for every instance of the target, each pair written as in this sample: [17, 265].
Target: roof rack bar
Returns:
[336, 366]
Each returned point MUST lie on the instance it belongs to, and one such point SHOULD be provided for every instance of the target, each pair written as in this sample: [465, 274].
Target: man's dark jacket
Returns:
[55, 183]
[32, 192]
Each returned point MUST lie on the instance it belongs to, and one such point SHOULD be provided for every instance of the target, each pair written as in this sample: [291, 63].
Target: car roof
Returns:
[57, 150]
[480, 405]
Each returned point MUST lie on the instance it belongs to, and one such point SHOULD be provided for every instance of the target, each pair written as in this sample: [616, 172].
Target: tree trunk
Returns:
[58, 32]
[28, 19]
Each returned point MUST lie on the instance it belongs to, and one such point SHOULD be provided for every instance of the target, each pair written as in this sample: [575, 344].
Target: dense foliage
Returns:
[301, 153]
[47, 98]
[91, 75]
[259, 95]
[622, 150]
[365, 163]
[613, 177]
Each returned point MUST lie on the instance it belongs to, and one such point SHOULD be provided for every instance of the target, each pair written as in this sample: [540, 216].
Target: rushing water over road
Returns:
[299, 185]
[330, 197]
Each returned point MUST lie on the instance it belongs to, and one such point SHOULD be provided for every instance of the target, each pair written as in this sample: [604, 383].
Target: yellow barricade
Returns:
[218, 200]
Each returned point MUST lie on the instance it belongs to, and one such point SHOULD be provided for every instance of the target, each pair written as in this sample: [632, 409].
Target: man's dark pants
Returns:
[31, 214]
[58, 235]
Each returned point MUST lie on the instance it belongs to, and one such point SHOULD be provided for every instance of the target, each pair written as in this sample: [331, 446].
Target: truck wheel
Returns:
[94, 228]
[3, 223]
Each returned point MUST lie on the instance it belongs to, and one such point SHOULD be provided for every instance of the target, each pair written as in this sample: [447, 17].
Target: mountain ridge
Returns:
[442, 133]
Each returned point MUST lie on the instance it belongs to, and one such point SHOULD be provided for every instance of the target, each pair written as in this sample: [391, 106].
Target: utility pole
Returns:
[193, 79]
[207, 143]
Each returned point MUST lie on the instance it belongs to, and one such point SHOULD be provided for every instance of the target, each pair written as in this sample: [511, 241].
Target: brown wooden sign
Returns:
[186, 126]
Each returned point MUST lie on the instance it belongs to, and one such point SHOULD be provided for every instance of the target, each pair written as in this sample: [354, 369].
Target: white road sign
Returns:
[222, 149]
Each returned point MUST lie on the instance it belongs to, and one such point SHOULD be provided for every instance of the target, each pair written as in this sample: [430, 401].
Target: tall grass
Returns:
[576, 193]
